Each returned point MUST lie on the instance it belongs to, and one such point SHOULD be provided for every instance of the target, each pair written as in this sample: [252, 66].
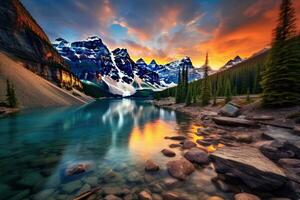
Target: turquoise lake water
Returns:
[112, 139]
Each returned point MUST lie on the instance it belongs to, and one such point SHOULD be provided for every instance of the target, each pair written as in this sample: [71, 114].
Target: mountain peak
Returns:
[153, 62]
[140, 61]
[93, 38]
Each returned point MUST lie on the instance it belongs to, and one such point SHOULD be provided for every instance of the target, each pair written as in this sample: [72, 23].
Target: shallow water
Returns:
[111, 138]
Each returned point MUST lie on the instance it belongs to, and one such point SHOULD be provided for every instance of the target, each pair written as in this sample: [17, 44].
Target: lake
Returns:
[109, 139]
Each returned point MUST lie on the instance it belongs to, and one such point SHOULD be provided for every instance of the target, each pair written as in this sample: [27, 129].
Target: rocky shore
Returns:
[256, 150]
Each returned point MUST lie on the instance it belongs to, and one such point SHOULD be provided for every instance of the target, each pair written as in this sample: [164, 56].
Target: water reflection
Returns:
[37, 146]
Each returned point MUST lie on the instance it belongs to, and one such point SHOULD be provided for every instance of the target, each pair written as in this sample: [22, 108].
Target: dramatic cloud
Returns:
[165, 29]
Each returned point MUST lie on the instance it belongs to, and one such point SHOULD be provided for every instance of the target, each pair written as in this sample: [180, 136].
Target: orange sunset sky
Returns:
[165, 30]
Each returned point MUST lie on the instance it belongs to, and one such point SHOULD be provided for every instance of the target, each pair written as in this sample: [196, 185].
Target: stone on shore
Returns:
[214, 198]
[175, 145]
[151, 166]
[245, 196]
[180, 168]
[229, 110]
[187, 144]
[144, 195]
[250, 166]
[277, 149]
[168, 152]
[178, 137]
[230, 121]
[196, 155]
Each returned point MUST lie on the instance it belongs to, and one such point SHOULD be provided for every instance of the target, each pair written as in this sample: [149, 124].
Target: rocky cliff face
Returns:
[21, 36]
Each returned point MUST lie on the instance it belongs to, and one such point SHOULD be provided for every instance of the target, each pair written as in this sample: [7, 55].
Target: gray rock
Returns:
[204, 142]
[168, 152]
[277, 149]
[289, 162]
[244, 138]
[197, 156]
[144, 195]
[85, 188]
[250, 166]
[135, 177]
[229, 121]
[187, 144]
[229, 110]
[151, 166]
[180, 168]
[245, 196]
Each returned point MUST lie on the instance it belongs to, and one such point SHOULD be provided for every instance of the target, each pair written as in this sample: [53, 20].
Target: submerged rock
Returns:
[170, 196]
[180, 168]
[197, 156]
[250, 166]
[187, 144]
[151, 166]
[230, 110]
[168, 153]
[72, 186]
[144, 195]
[112, 197]
[229, 121]
[245, 196]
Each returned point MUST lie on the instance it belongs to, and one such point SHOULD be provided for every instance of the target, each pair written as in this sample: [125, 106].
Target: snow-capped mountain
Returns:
[168, 73]
[232, 62]
[91, 60]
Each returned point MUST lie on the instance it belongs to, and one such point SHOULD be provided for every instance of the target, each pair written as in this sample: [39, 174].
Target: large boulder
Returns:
[250, 166]
[230, 110]
[197, 156]
[230, 121]
[180, 168]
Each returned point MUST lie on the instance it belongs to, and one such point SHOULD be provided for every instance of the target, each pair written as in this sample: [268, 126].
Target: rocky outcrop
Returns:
[22, 36]
[180, 168]
[229, 121]
[250, 166]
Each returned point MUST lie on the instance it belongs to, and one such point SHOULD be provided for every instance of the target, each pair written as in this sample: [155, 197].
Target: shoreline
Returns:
[246, 151]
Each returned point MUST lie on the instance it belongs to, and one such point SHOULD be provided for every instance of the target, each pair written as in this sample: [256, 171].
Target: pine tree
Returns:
[188, 98]
[281, 78]
[228, 92]
[178, 88]
[205, 84]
